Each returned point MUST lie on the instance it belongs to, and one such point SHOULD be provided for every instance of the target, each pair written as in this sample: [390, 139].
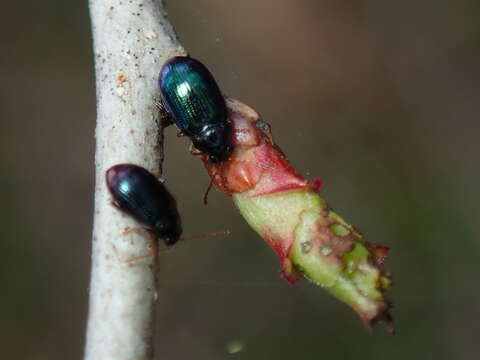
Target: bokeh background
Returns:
[379, 98]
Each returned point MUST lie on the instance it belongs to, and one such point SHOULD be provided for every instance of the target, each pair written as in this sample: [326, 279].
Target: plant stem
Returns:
[131, 42]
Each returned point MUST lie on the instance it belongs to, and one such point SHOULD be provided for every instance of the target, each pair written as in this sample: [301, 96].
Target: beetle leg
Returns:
[205, 196]
[194, 150]
[165, 118]
[134, 230]
[153, 245]
[155, 250]
[114, 204]
[159, 105]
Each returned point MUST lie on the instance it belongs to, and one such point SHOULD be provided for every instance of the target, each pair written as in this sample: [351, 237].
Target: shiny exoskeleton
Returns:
[138, 193]
[193, 99]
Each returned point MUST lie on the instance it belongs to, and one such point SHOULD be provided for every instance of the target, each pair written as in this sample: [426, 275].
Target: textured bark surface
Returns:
[131, 42]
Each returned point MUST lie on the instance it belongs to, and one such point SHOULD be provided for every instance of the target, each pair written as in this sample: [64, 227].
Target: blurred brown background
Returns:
[379, 98]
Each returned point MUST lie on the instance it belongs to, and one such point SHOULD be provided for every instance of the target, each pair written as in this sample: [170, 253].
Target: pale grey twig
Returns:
[132, 39]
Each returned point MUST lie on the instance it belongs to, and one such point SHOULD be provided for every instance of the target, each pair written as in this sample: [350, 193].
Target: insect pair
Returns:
[195, 104]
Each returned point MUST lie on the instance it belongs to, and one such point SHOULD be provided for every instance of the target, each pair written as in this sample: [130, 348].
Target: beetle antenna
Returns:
[204, 236]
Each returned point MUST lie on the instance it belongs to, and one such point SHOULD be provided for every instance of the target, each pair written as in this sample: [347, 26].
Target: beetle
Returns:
[141, 195]
[192, 98]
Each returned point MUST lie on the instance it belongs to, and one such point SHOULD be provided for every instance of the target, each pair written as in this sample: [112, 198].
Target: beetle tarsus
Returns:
[205, 196]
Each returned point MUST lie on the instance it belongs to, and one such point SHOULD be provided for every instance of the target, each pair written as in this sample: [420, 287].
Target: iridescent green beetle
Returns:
[195, 104]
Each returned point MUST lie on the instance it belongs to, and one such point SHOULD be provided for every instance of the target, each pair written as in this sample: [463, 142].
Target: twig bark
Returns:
[132, 39]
